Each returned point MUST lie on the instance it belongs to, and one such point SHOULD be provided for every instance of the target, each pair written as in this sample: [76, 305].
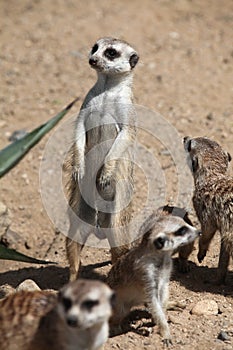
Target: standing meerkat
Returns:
[142, 275]
[213, 197]
[76, 318]
[102, 154]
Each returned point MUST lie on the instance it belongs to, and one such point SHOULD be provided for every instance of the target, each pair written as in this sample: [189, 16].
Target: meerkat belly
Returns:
[102, 137]
[101, 131]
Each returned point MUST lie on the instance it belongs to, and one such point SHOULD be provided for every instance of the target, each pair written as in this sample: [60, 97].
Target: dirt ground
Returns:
[184, 74]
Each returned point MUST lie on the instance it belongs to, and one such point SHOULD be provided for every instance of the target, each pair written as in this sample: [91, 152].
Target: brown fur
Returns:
[213, 197]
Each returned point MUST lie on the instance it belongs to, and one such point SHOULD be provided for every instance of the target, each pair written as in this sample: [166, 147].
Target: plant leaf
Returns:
[13, 153]
[11, 254]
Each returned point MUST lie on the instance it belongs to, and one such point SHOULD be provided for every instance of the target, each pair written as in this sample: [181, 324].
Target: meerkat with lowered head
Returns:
[142, 275]
[102, 154]
[76, 318]
[213, 197]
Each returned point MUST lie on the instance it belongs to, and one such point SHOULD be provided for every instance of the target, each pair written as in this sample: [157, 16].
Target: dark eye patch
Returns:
[89, 304]
[181, 232]
[67, 303]
[94, 49]
[111, 53]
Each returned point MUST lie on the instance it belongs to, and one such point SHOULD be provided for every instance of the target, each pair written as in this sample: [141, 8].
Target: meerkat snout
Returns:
[93, 61]
[72, 321]
[159, 242]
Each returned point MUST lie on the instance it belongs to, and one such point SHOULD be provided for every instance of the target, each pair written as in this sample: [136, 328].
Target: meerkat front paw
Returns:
[201, 255]
[106, 177]
[167, 342]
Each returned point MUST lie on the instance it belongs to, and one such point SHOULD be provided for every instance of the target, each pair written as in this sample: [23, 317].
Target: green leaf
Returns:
[11, 254]
[12, 154]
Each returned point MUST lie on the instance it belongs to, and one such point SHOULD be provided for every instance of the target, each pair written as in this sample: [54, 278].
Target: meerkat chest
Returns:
[100, 126]
[87, 339]
[159, 269]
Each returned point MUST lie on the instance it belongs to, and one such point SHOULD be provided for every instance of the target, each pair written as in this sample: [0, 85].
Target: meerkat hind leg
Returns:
[73, 250]
[114, 235]
[223, 262]
[80, 228]
[204, 243]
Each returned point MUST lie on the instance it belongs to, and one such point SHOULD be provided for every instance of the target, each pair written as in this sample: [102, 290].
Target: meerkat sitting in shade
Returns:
[142, 275]
[76, 318]
[102, 154]
[213, 197]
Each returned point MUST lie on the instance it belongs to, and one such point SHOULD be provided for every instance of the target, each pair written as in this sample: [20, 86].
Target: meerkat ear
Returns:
[159, 242]
[229, 157]
[133, 60]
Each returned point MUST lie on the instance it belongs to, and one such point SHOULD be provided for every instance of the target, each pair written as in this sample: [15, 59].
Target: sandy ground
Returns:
[184, 78]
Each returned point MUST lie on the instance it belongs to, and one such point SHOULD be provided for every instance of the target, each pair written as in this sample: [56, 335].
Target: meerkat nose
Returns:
[93, 61]
[72, 321]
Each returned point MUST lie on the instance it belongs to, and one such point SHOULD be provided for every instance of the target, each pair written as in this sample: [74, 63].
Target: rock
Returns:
[5, 219]
[17, 135]
[205, 307]
[223, 336]
[6, 290]
[28, 285]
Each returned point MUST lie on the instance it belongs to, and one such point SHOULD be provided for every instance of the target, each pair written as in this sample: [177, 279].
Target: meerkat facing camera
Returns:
[142, 275]
[76, 318]
[213, 197]
[102, 154]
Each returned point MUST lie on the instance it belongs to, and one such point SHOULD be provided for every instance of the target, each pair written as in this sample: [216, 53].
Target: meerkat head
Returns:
[112, 56]
[205, 155]
[171, 232]
[85, 303]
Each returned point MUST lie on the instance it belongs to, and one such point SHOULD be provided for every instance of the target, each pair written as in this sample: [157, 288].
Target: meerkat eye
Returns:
[181, 232]
[229, 157]
[94, 49]
[89, 304]
[67, 303]
[111, 53]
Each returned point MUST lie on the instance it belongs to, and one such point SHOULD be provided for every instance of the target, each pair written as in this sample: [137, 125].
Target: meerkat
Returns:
[75, 318]
[185, 250]
[102, 154]
[212, 198]
[142, 275]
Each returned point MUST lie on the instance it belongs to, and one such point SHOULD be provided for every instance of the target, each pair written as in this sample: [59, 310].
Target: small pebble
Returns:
[223, 336]
[28, 285]
[17, 135]
[205, 307]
